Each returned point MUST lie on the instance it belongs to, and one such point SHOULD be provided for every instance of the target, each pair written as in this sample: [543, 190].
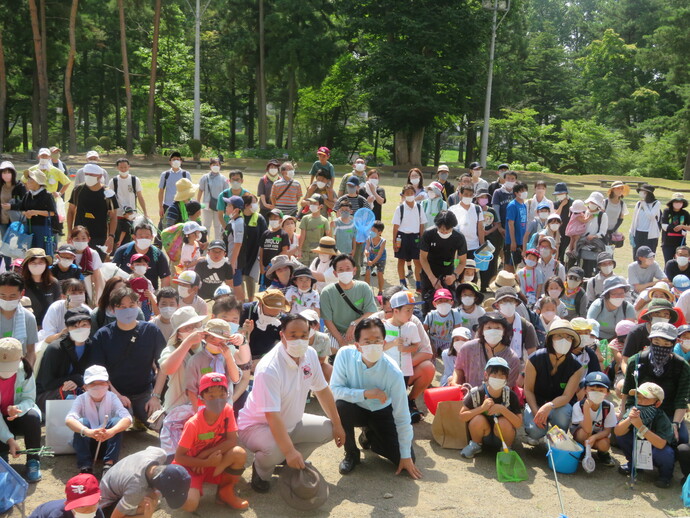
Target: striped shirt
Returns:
[287, 196]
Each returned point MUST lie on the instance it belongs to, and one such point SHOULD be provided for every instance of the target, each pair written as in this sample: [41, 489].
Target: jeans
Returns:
[558, 416]
[86, 447]
[662, 458]
[28, 425]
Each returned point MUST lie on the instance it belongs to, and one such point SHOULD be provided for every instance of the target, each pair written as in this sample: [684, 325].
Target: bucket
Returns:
[433, 396]
[565, 461]
[482, 260]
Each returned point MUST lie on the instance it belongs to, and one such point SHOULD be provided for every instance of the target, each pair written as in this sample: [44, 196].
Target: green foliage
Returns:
[91, 142]
[195, 147]
[147, 144]
[106, 143]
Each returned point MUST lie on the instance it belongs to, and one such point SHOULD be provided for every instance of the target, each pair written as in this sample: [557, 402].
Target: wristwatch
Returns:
[156, 395]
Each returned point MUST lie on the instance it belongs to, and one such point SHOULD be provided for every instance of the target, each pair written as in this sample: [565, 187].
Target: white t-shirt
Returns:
[597, 416]
[301, 301]
[410, 335]
[327, 270]
[281, 385]
[125, 196]
[95, 259]
[412, 218]
[467, 223]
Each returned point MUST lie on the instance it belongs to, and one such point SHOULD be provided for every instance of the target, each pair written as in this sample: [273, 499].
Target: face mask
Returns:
[97, 392]
[548, 315]
[409, 199]
[466, 200]
[297, 348]
[273, 224]
[493, 336]
[657, 320]
[126, 315]
[586, 340]
[443, 177]
[543, 215]
[606, 270]
[359, 167]
[313, 208]
[7, 177]
[91, 180]
[45, 162]
[562, 346]
[554, 294]
[468, 278]
[531, 263]
[320, 185]
[215, 405]
[374, 181]
[524, 195]
[65, 263]
[554, 227]
[167, 311]
[346, 277]
[215, 264]
[37, 269]
[643, 195]
[432, 195]
[444, 235]
[507, 309]
[254, 207]
[496, 383]
[457, 345]
[80, 245]
[176, 163]
[509, 185]
[291, 173]
[272, 171]
[124, 174]
[545, 252]
[414, 180]
[8, 305]
[616, 302]
[143, 244]
[443, 308]
[561, 197]
[84, 515]
[572, 284]
[685, 344]
[592, 207]
[476, 173]
[682, 261]
[140, 270]
[467, 301]
[184, 291]
[596, 397]
[351, 189]
[81, 334]
[324, 258]
[235, 185]
[372, 352]
[215, 168]
[483, 202]
[76, 300]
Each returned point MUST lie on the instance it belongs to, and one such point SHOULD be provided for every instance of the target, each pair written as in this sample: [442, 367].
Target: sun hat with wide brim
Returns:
[186, 190]
[677, 196]
[184, 316]
[37, 253]
[280, 261]
[505, 279]
[613, 283]
[646, 187]
[478, 295]
[658, 305]
[274, 299]
[662, 287]
[558, 325]
[326, 246]
[37, 176]
[303, 489]
[616, 184]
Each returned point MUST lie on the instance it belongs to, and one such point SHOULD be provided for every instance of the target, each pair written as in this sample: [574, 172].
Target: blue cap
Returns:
[543, 205]
[235, 201]
[597, 379]
[560, 188]
[497, 361]
[173, 483]
[681, 282]
[353, 180]
[683, 329]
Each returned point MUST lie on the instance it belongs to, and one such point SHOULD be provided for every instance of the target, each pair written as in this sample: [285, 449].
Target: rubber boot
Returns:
[226, 492]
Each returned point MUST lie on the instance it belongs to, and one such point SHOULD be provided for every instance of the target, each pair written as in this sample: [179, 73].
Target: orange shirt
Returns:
[198, 435]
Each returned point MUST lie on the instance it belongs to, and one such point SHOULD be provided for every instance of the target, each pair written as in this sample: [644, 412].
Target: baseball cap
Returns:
[43, 151]
[462, 332]
[403, 298]
[95, 373]
[503, 166]
[604, 257]
[506, 292]
[10, 356]
[497, 361]
[650, 390]
[645, 252]
[324, 150]
[212, 379]
[442, 293]
[235, 201]
[560, 188]
[188, 277]
[217, 244]
[576, 271]
[310, 315]
[475, 165]
[137, 257]
[597, 379]
[353, 180]
[92, 154]
[76, 315]
[681, 282]
[67, 249]
[93, 169]
[81, 491]
[192, 226]
[442, 167]
[173, 483]
[218, 328]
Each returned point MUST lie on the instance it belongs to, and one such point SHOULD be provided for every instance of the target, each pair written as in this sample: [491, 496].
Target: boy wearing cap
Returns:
[502, 196]
[356, 200]
[682, 347]
[208, 447]
[57, 182]
[213, 270]
[97, 415]
[483, 404]
[64, 267]
[322, 164]
[188, 283]
[343, 229]
[644, 271]
[234, 237]
[537, 215]
[574, 297]
[313, 227]
[650, 423]
[273, 242]
[440, 322]
[605, 266]
[319, 341]
[132, 487]
[125, 227]
[548, 264]
[82, 494]
[594, 418]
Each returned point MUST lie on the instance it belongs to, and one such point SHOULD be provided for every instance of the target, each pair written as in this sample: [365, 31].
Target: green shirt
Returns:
[335, 309]
[314, 227]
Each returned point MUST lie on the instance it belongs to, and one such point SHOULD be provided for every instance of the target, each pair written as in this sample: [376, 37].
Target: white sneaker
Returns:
[532, 442]
[471, 450]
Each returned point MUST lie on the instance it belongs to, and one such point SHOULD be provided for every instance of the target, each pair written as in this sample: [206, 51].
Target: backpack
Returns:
[538, 326]
[402, 211]
[605, 409]
[185, 174]
[134, 187]
[475, 393]
[172, 239]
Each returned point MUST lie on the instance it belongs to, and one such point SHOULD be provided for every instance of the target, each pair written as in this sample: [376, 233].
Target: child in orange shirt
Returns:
[208, 446]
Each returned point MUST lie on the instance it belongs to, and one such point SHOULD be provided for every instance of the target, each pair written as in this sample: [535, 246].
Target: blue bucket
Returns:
[482, 260]
[565, 461]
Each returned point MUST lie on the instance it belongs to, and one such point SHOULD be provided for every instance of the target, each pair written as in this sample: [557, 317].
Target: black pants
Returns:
[565, 241]
[641, 239]
[28, 425]
[429, 289]
[381, 430]
[138, 408]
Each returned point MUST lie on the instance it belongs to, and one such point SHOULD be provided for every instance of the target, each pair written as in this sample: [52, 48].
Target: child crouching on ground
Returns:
[96, 416]
[594, 418]
[493, 399]
[459, 337]
[208, 446]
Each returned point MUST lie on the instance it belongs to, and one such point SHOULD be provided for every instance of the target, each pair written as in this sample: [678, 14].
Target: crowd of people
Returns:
[215, 326]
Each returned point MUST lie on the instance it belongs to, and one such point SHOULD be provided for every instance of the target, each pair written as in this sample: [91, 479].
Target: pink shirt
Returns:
[7, 393]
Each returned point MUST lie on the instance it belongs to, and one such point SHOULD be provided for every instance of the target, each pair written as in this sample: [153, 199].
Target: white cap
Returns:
[462, 332]
[310, 315]
[192, 226]
[44, 151]
[93, 169]
[92, 154]
[95, 373]
[442, 167]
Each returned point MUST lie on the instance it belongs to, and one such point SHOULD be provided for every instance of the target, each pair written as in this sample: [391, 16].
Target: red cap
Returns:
[533, 251]
[136, 257]
[442, 293]
[139, 285]
[212, 379]
[82, 491]
[324, 150]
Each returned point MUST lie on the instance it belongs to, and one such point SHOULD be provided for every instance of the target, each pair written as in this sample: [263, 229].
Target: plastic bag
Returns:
[60, 208]
[12, 488]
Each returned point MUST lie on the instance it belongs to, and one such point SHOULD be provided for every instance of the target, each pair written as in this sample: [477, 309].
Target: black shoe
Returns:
[88, 470]
[415, 414]
[258, 484]
[363, 440]
[348, 463]
[663, 483]
[624, 469]
[605, 459]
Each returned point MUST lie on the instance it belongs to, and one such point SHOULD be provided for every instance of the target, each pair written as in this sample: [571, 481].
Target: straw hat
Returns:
[660, 286]
[677, 196]
[616, 184]
[186, 190]
[558, 325]
[326, 246]
[505, 279]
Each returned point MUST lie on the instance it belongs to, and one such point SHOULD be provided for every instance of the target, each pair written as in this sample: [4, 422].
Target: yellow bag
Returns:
[447, 429]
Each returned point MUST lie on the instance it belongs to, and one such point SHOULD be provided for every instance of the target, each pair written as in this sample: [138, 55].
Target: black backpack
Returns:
[134, 186]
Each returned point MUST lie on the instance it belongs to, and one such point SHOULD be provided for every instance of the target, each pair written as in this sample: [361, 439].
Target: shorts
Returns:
[409, 247]
[206, 477]
[379, 267]
[512, 258]
[237, 278]
[491, 440]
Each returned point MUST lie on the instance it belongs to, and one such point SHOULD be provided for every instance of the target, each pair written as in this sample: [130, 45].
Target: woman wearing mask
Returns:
[38, 206]
[646, 220]
[12, 193]
[210, 186]
[254, 227]
[104, 313]
[66, 358]
[88, 260]
[74, 294]
[415, 177]
[322, 266]
[552, 376]
[491, 234]
[263, 191]
[494, 335]
[562, 208]
[615, 206]
[675, 222]
[41, 287]
[375, 195]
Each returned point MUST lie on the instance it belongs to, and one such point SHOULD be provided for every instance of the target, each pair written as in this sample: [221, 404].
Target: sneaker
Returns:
[348, 463]
[106, 468]
[663, 483]
[471, 450]
[87, 470]
[605, 459]
[531, 441]
[624, 469]
[258, 484]
[364, 440]
[33, 470]
[415, 414]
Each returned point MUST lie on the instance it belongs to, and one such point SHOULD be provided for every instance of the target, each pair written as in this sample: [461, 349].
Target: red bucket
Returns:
[433, 396]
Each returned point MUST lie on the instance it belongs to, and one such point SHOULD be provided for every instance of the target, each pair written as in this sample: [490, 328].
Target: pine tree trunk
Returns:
[154, 66]
[686, 171]
[125, 70]
[3, 95]
[292, 107]
[69, 103]
[261, 82]
[40, 130]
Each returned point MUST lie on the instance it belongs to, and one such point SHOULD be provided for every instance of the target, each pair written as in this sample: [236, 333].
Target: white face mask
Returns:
[616, 302]
[457, 345]
[685, 344]
[606, 270]
[467, 301]
[297, 348]
[37, 269]
[273, 224]
[215, 168]
[682, 261]
[215, 264]
[143, 244]
[9, 305]
[291, 173]
[81, 334]
[320, 185]
[445, 235]
[374, 181]
[414, 180]
[346, 277]
[509, 185]
[554, 294]
[176, 163]
[643, 195]
[167, 311]
[65, 263]
[235, 185]
[531, 263]
[444, 308]
[359, 167]
[97, 392]
[91, 180]
[586, 340]
[44, 162]
[496, 383]
[313, 208]
[254, 207]
[409, 199]
[84, 515]
[545, 252]
[507, 309]
[659, 320]
[562, 346]
[596, 397]
[548, 315]
[554, 227]
[184, 291]
[524, 195]
[76, 300]
[572, 284]
[543, 215]
[432, 195]
[493, 336]
[561, 197]
[124, 174]
[593, 207]
[372, 352]
[466, 200]
[324, 258]
[140, 270]
[80, 245]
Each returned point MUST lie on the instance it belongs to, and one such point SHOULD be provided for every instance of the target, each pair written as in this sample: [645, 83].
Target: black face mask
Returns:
[659, 357]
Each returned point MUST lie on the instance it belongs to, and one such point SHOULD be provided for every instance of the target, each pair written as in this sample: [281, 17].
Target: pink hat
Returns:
[324, 150]
[578, 206]
[442, 294]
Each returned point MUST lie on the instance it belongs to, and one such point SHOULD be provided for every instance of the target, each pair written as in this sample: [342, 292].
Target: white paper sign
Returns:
[643, 455]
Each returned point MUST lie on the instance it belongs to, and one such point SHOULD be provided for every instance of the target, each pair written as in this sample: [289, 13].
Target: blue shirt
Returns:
[56, 509]
[500, 201]
[351, 378]
[680, 352]
[517, 213]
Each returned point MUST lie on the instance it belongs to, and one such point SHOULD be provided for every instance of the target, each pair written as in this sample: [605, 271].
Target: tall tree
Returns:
[3, 94]
[125, 71]
[154, 69]
[261, 81]
[69, 103]
[41, 73]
